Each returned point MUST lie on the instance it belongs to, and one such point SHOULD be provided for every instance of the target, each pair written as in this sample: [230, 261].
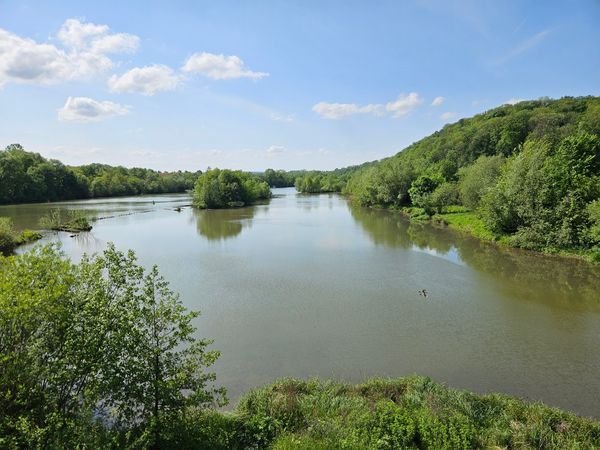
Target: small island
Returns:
[70, 221]
[218, 189]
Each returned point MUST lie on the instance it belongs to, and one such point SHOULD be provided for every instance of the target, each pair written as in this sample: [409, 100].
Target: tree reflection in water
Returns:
[222, 224]
[552, 280]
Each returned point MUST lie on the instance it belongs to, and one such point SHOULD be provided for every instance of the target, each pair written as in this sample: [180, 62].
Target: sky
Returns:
[281, 84]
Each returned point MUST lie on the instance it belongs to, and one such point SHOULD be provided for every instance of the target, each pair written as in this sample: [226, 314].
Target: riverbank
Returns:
[465, 221]
[411, 412]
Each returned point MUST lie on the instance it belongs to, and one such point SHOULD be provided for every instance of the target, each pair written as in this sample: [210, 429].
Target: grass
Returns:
[461, 219]
[466, 221]
[412, 413]
[71, 221]
[416, 214]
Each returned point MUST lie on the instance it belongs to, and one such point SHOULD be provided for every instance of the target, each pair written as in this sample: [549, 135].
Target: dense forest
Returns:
[281, 178]
[226, 188]
[102, 354]
[28, 177]
[526, 174]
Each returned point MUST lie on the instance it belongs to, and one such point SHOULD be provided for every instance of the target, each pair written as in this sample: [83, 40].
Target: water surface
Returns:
[310, 286]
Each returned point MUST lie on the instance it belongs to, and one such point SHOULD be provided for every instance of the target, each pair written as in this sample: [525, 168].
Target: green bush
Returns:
[445, 195]
[8, 235]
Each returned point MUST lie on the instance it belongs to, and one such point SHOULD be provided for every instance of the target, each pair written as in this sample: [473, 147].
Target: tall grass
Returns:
[412, 412]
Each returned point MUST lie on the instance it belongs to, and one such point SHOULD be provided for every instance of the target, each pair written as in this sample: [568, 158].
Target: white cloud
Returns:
[145, 80]
[275, 149]
[399, 108]
[76, 34]
[513, 101]
[84, 109]
[115, 43]
[438, 101]
[220, 67]
[448, 115]
[404, 104]
[338, 110]
[83, 53]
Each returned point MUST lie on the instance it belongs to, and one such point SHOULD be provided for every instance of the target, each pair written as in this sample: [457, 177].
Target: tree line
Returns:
[315, 181]
[27, 177]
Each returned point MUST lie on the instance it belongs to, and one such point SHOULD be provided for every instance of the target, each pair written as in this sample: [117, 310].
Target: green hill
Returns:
[527, 174]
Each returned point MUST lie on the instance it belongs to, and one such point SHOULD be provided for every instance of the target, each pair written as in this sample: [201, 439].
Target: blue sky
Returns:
[282, 84]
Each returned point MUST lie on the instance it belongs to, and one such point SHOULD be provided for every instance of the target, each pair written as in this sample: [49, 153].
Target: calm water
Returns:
[307, 285]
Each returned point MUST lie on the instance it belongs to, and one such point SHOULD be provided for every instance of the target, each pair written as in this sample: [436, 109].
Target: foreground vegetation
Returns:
[102, 354]
[529, 173]
[218, 188]
[99, 354]
[27, 177]
[412, 412]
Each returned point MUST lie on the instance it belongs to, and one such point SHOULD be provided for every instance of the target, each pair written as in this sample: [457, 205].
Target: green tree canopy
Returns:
[103, 341]
[225, 188]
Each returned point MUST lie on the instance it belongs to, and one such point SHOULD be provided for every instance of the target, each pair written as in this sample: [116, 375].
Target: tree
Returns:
[475, 180]
[94, 343]
[218, 188]
[421, 189]
[8, 235]
[446, 194]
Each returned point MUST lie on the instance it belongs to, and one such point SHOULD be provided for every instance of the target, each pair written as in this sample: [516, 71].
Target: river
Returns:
[310, 286]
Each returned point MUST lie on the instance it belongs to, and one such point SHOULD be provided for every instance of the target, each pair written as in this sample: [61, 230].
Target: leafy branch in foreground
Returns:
[95, 355]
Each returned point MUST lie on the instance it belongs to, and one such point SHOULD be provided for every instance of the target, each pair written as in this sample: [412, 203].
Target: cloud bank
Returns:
[83, 52]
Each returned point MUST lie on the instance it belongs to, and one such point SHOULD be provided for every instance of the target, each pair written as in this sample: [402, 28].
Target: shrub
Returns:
[475, 180]
[8, 235]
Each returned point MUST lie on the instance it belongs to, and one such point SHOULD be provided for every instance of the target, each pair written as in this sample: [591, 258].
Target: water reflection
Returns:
[222, 224]
[554, 281]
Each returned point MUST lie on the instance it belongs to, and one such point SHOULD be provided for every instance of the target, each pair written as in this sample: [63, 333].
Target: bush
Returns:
[8, 235]
[478, 178]
[446, 194]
